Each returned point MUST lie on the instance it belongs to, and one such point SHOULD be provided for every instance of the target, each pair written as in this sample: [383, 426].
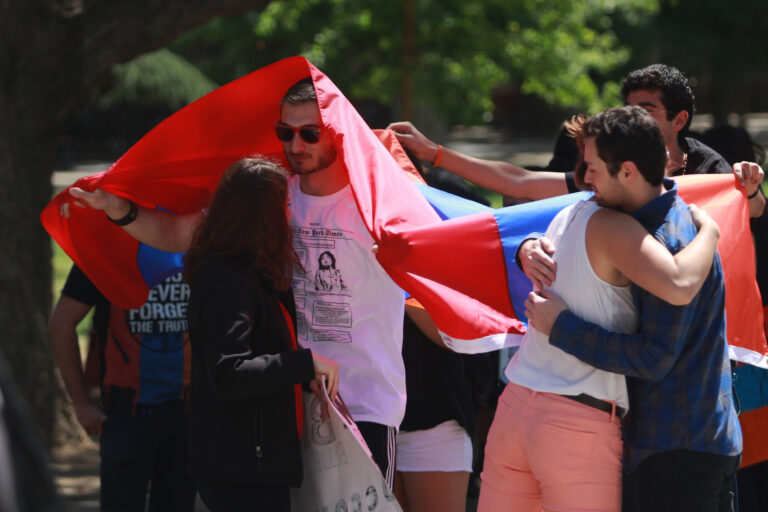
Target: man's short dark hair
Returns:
[676, 92]
[301, 92]
[628, 134]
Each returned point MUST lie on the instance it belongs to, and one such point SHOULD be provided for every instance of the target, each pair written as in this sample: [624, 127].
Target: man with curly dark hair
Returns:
[665, 93]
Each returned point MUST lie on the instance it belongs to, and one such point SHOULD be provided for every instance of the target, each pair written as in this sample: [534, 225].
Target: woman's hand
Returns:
[325, 368]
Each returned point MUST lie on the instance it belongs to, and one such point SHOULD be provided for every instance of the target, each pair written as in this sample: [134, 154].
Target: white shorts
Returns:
[446, 447]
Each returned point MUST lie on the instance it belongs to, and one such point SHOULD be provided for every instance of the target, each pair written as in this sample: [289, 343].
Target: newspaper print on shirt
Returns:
[320, 285]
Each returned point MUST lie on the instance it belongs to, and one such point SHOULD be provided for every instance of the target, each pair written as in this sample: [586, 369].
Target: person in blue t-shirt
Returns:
[142, 418]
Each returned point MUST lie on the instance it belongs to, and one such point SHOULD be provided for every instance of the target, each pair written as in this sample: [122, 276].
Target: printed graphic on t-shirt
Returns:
[321, 293]
[158, 325]
[147, 347]
[327, 276]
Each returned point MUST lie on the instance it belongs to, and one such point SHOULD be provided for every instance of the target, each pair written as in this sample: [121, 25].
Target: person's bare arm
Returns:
[502, 177]
[67, 314]
[644, 261]
[156, 228]
[425, 324]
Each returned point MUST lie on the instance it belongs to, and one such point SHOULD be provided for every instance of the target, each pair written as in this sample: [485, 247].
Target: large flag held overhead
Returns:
[455, 257]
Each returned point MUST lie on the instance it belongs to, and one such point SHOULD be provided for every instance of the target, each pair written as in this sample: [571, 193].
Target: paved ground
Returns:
[76, 469]
[77, 474]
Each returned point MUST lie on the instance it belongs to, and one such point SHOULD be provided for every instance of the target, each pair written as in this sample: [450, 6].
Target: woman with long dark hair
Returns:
[245, 418]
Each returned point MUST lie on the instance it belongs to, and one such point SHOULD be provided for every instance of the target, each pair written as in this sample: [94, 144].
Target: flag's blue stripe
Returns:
[449, 206]
[515, 224]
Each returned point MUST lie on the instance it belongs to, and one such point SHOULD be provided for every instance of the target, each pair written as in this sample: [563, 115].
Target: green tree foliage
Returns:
[448, 54]
[159, 77]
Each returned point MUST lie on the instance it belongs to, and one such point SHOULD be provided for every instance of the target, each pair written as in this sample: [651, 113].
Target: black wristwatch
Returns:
[129, 217]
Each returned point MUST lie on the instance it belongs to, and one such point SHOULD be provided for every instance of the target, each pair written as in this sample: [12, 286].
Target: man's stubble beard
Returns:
[323, 162]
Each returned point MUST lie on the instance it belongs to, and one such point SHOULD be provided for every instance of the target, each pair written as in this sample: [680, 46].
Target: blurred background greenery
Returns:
[517, 66]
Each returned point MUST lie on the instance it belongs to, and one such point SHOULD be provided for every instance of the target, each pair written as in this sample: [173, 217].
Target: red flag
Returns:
[719, 196]
[461, 270]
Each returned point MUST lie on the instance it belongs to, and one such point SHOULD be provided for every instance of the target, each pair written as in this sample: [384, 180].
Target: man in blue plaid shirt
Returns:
[682, 436]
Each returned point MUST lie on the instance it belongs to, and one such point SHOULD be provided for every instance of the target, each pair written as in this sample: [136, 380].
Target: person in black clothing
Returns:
[141, 417]
[664, 92]
[566, 154]
[444, 389]
[434, 445]
[245, 417]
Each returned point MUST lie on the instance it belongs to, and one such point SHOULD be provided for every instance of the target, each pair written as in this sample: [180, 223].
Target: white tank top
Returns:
[542, 367]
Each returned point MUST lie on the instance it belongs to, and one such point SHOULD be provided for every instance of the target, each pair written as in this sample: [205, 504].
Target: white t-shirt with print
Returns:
[348, 309]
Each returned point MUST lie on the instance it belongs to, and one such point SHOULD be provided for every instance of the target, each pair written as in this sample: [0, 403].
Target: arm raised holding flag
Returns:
[503, 177]
[156, 228]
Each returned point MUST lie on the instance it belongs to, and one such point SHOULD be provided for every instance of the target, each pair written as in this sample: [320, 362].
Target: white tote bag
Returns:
[339, 473]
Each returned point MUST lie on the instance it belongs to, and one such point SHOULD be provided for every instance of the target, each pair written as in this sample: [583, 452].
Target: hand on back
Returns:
[537, 262]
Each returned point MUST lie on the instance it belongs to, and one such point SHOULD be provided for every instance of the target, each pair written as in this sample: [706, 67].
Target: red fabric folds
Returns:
[177, 165]
[728, 206]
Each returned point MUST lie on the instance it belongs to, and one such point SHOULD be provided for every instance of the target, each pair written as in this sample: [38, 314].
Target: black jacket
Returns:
[242, 406]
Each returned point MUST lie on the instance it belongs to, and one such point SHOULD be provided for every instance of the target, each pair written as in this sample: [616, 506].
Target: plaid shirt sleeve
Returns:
[649, 354]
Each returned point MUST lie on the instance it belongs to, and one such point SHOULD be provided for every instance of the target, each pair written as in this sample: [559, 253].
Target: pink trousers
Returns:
[547, 452]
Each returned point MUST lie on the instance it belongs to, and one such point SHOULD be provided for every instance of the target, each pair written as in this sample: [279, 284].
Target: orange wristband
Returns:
[439, 156]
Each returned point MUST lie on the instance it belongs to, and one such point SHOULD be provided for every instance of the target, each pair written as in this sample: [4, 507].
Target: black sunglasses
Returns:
[308, 133]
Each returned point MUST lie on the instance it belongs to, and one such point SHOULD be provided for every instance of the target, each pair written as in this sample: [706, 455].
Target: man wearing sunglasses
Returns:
[353, 320]
[354, 324]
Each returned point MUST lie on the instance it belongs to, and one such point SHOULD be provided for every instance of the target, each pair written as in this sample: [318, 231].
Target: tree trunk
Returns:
[52, 54]
[25, 269]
